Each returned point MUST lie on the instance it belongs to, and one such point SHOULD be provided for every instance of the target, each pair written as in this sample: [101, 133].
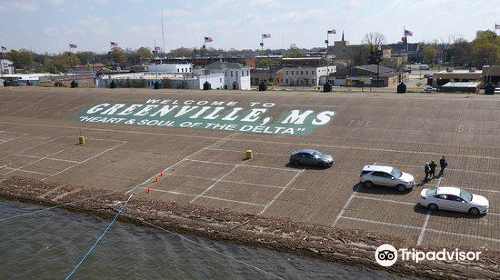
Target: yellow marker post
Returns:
[249, 154]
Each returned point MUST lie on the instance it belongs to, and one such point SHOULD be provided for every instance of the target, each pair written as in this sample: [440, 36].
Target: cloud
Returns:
[57, 31]
[94, 25]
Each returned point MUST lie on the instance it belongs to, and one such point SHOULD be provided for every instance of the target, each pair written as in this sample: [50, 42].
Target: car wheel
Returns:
[432, 207]
[368, 184]
[401, 188]
[474, 211]
[295, 162]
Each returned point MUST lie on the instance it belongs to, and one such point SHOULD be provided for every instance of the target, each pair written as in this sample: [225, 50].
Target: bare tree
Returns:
[374, 40]
[358, 54]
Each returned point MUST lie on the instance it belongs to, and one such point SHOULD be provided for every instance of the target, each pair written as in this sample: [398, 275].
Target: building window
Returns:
[286, 81]
[307, 72]
[301, 73]
[177, 70]
[231, 74]
[236, 73]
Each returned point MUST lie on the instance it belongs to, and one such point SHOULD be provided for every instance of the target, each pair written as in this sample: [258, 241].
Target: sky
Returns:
[49, 25]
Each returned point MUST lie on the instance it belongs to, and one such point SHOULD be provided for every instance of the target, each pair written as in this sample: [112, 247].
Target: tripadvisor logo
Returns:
[386, 255]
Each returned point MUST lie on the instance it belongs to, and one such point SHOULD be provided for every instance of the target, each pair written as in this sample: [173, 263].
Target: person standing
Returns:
[443, 164]
[432, 166]
[427, 170]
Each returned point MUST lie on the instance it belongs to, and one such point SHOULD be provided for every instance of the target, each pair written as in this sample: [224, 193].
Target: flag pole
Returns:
[327, 60]
[162, 30]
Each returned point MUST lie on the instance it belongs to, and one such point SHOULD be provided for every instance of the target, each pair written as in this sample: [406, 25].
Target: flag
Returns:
[497, 26]
[333, 31]
[72, 46]
[157, 48]
[208, 39]
[266, 36]
[113, 44]
[408, 33]
[4, 48]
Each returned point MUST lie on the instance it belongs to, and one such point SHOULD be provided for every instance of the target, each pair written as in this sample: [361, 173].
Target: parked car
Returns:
[427, 76]
[429, 89]
[454, 199]
[408, 70]
[388, 176]
[424, 67]
[311, 157]
[497, 91]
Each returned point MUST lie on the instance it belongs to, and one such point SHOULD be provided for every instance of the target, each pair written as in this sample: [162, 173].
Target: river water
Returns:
[49, 244]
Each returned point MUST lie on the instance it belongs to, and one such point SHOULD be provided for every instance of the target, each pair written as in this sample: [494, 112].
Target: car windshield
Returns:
[431, 191]
[466, 195]
[396, 173]
[317, 154]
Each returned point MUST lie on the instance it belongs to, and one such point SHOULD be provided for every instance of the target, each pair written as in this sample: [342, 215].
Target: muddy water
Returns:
[49, 244]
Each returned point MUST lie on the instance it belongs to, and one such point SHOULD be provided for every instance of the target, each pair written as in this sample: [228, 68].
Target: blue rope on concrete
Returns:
[100, 237]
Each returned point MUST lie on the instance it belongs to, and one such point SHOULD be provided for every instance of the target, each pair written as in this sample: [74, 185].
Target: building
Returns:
[456, 75]
[340, 49]
[175, 68]
[235, 75]
[366, 75]
[148, 80]
[270, 76]
[471, 87]
[491, 74]
[6, 67]
[303, 61]
[305, 75]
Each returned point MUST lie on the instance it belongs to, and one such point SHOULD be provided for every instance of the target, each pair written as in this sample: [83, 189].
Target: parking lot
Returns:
[39, 132]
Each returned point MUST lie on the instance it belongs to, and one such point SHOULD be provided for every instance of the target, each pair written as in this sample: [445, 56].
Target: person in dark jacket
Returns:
[427, 170]
[443, 164]
[432, 166]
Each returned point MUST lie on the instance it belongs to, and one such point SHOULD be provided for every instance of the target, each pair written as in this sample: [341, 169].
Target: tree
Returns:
[294, 52]
[86, 57]
[183, 52]
[485, 49]
[67, 60]
[358, 54]
[419, 84]
[118, 56]
[22, 59]
[459, 52]
[430, 53]
[144, 54]
[374, 42]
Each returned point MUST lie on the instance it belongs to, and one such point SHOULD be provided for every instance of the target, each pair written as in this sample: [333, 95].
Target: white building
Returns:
[306, 75]
[148, 79]
[235, 75]
[6, 67]
[171, 68]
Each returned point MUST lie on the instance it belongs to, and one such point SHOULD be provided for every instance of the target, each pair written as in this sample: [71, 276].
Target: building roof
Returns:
[460, 71]
[383, 71]
[461, 85]
[221, 65]
[303, 58]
